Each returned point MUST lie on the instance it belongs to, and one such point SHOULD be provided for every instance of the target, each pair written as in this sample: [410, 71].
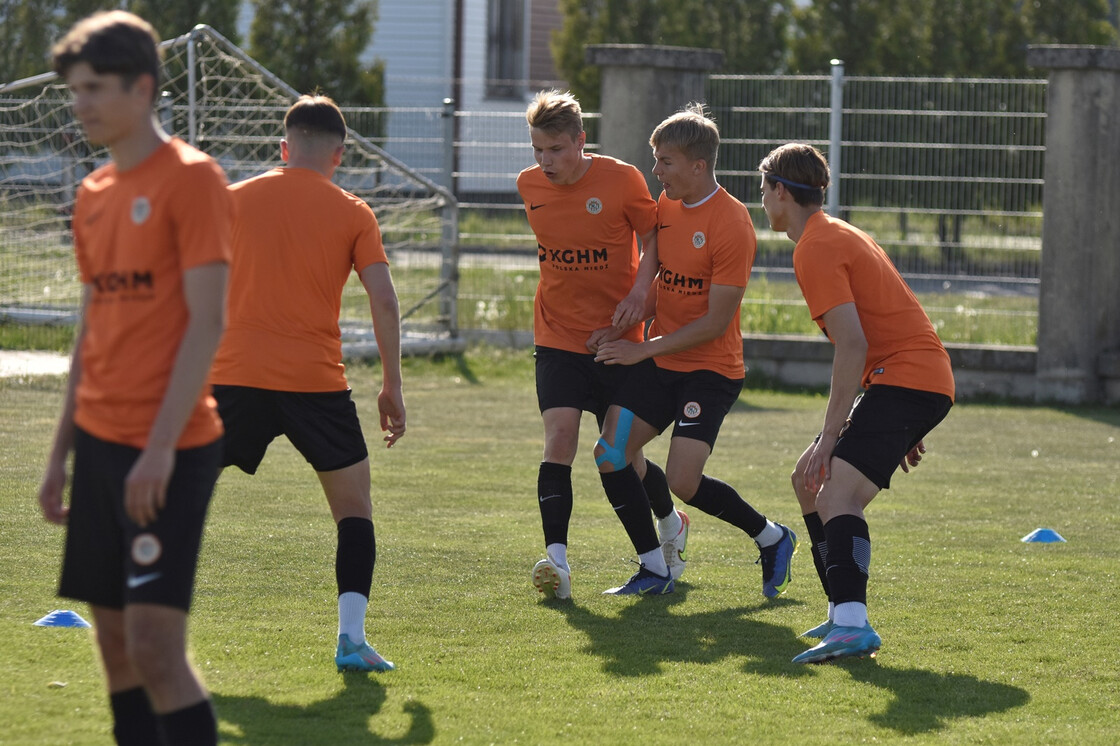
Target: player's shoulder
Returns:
[192, 164]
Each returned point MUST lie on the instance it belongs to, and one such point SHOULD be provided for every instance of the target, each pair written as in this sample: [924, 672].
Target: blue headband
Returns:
[787, 182]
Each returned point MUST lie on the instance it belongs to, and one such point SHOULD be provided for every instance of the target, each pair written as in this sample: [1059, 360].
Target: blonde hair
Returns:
[691, 131]
[554, 112]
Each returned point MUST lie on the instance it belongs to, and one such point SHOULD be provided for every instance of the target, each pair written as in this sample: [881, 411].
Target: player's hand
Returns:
[145, 487]
[818, 469]
[629, 310]
[391, 406]
[50, 494]
[913, 458]
[620, 352]
[601, 336]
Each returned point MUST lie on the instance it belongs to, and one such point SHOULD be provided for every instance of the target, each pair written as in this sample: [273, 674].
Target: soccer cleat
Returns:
[551, 580]
[843, 642]
[643, 583]
[776, 560]
[359, 657]
[673, 549]
[820, 631]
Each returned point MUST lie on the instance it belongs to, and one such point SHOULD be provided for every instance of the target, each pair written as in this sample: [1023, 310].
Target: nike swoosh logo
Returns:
[663, 227]
[681, 423]
[534, 207]
[542, 498]
[135, 581]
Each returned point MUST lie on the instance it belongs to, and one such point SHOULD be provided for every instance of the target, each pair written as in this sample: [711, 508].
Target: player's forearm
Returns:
[847, 373]
[387, 332]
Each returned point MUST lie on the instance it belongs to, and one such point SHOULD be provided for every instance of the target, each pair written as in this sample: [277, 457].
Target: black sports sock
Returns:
[849, 555]
[720, 499]
[195, 725]
[554, 494]
[819, 547]
[657, 490]
[134, 722]
[355, 557]
[628, 498]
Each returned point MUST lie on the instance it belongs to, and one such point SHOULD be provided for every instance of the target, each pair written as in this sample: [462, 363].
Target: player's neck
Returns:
[797, 220]
[132, 149]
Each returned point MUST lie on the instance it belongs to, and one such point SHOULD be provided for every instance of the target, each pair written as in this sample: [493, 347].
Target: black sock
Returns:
[657, 490]
[554, 494]
[628, 498]
[720, 499]
[849, 555]
[818, 545]
[195, 725]
[355, 557]
[134, 722]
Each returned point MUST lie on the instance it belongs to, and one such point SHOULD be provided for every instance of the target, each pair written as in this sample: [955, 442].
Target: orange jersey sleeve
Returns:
[710, 244]
[587, 246]
[836, 263]
[296, 239]
[134, 235]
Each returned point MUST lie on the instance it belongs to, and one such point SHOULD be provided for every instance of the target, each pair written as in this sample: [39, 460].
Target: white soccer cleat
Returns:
[551, 580]
[674, 549]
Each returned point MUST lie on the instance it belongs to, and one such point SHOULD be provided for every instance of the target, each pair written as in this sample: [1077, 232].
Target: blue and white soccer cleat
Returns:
[843, 642]
[674, 549]
[359, 657]
[776, 560]
[643, 583]
[551, 580]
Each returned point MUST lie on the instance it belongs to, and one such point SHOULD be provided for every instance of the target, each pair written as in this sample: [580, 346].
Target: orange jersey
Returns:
[135, 233]
[587, 246]
[837, 263]
[710, 244]
[296, 239]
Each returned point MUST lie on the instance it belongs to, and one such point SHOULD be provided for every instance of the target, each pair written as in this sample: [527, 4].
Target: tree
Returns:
[174, 17]
[751, 33]
[317, 44]
[26, 33]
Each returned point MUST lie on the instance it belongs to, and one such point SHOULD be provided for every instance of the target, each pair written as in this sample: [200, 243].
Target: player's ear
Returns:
[284, 152]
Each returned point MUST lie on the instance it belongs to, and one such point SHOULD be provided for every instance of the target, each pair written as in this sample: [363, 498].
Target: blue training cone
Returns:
[1043, 536]
[62, 618]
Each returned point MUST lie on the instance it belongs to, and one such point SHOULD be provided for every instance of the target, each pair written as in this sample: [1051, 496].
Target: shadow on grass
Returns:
[923, 701]
[344, 718]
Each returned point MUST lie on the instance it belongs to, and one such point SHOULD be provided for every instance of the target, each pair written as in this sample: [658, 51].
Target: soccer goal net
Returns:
[221, 101]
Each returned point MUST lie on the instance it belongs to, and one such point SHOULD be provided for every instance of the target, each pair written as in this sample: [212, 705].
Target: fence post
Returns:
[641, 86]
[449, 240]
[835, 129]
[1078, 306]
[448, 115]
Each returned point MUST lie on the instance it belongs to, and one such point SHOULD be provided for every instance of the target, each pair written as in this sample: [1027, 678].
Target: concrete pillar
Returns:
[641, 85]
[1079, 304]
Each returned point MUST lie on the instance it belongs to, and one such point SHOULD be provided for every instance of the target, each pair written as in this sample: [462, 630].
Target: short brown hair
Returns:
[111, 42]
[315, 114]
[801, 168]
[554, 111]
[690, 131]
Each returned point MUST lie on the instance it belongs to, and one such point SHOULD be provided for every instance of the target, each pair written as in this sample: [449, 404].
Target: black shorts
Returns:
[323, 426]
[695, 401]
[884, 425]
[572, 379]
[111, 561]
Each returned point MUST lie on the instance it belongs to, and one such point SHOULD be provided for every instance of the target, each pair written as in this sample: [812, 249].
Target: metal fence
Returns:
[946, 174]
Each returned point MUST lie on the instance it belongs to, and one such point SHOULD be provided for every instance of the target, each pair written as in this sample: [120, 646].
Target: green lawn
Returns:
[985, 639]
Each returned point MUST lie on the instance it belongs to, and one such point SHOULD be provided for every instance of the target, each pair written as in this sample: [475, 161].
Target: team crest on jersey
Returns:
[699, 239]
[146, 549]
[594, 206]
[141, 210]
[692, 410]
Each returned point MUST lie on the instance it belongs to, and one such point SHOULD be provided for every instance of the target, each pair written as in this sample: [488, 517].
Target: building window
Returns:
[505, 49]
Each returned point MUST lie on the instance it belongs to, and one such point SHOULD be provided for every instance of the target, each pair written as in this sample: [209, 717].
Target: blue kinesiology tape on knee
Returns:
[616, 455]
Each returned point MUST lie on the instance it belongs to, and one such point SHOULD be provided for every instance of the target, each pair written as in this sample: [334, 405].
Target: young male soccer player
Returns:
[279, 369]
[585, 211]
[151, 237]
[690, 370]
[884, 343]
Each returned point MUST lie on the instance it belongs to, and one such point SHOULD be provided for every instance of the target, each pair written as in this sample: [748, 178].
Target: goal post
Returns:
[223, 102]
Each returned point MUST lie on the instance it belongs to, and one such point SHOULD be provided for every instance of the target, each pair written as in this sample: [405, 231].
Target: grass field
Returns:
[985, 639]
